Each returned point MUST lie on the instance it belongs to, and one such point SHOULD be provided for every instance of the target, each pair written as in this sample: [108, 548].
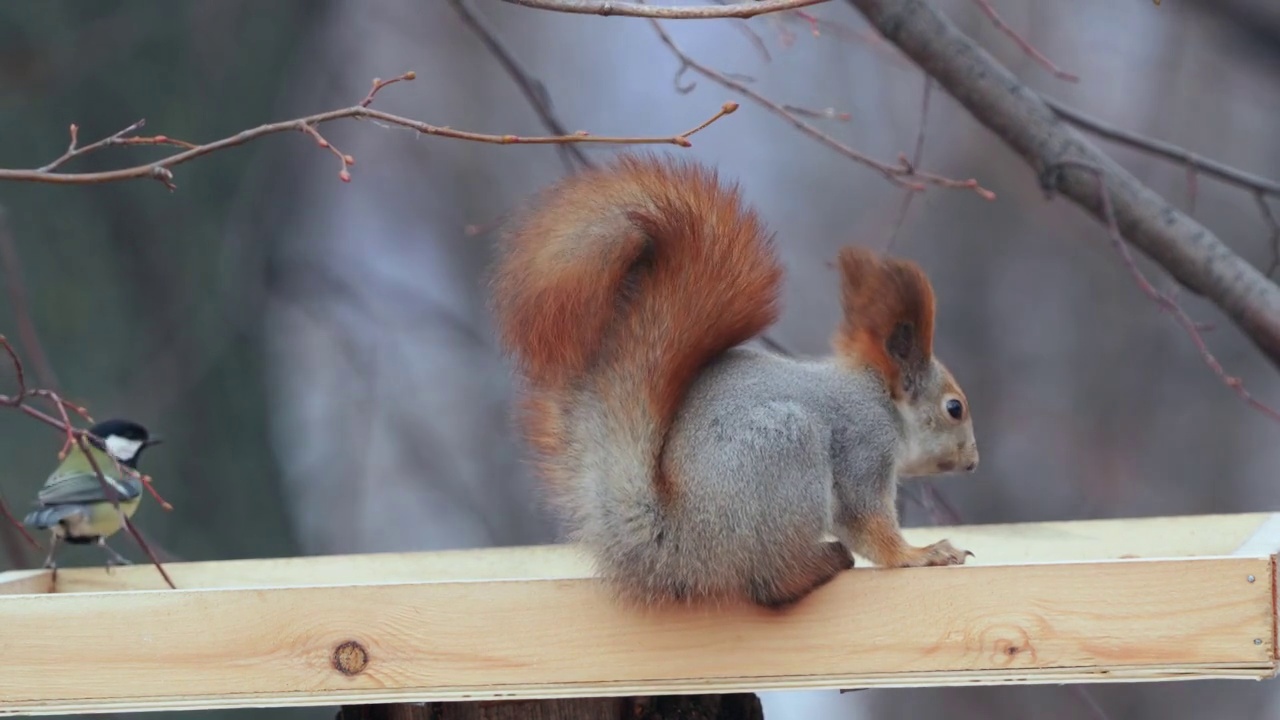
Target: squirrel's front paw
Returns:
[943, 553]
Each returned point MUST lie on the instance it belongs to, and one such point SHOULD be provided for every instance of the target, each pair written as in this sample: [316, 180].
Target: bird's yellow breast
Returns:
[102, 519]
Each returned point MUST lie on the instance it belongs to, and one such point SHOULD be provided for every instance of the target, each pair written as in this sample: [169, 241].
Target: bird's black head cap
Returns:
[125, 430]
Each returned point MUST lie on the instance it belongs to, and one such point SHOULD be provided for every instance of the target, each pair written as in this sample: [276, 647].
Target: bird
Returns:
[73, 504]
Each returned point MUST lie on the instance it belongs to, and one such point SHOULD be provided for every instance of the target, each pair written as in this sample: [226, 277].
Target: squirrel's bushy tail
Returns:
[614, 290]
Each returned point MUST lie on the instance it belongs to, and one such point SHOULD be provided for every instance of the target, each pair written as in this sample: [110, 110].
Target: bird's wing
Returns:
[78, 486]
[47, 517]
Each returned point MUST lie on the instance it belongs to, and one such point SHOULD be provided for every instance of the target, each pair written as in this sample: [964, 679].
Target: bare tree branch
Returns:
[159, 170]
[1167, 303]
[903, 174]
[1201, 164]
[916, 158]
[15, 554]
[1030, 50]
[1192, 254]
[531, 87]
[693, 12]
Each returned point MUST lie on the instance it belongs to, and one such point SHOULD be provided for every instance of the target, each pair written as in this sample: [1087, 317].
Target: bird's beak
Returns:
[154, 440]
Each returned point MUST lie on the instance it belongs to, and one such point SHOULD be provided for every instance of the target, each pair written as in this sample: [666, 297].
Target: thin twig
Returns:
[62, 406]
[534, 91]
[1027, 47]
[1169, 151]
[828, 113]
[916, 158]
[692, 12]
[754, 38]
[160, 169]
[902, 174]
[869, 38]
[114, 497]
[19, 373]
[1193, 188]
[378, 84]
[27, 334]
[16, 523]
[1265, 208]
[1163, 300]
[74, 151]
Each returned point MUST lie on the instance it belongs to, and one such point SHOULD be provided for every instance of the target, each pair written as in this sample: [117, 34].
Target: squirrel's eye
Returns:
[955, 409]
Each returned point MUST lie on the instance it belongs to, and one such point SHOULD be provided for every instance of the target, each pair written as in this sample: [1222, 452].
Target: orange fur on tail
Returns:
[888, 307]
[624, 282]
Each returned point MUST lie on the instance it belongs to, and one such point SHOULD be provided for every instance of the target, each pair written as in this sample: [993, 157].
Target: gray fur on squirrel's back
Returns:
[755, 455]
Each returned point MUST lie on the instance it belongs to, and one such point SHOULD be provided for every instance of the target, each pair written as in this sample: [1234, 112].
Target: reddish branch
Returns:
[19, 400]
[748, 9]
[115, 502]
[1027, 47]
[160, 169]
[903, 174]
[16, 523]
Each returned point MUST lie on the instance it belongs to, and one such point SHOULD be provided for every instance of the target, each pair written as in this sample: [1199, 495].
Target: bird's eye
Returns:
[954, 408]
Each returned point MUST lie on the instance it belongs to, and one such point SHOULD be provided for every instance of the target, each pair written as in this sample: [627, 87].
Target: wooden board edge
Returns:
[1200, 536]
[1275, 610]
[1055, 676]
[39, 580]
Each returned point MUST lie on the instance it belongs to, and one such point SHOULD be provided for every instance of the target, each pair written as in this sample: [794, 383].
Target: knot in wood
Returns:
[350, 658]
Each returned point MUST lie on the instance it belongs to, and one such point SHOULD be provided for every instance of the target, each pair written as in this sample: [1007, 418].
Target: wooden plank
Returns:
[548, 561]
[21, 582]
[1164, 537]
[564, 637]
[1264, 540]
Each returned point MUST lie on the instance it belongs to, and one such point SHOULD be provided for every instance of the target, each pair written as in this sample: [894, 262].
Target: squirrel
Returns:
[693, 469]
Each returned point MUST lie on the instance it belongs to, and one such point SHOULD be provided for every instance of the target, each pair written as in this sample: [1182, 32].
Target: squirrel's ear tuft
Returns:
[888, 310]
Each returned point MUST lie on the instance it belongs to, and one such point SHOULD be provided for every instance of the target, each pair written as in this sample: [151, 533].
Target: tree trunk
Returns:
[738, 706]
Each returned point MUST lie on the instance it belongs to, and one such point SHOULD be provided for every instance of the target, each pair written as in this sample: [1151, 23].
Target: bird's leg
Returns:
[49, 564]
[113, 557]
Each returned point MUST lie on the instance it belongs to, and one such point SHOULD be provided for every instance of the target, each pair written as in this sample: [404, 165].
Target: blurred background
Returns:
[318, 354]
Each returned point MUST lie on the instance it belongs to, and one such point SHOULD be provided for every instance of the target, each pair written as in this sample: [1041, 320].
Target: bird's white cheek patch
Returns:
[122, 449]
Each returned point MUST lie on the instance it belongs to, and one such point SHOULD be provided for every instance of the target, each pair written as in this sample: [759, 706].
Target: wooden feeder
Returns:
[1175, 598]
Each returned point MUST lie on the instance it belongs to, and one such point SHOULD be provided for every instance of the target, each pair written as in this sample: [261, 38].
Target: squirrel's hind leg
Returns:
[780, 591]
